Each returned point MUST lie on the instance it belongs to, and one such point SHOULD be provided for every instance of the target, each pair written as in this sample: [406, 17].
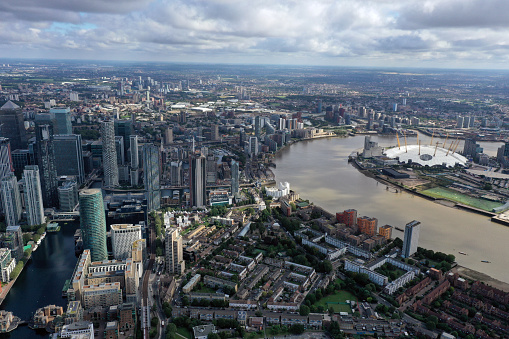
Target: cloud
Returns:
[266, 31]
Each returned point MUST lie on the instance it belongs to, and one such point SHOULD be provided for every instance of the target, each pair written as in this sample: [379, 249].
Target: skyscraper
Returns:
[176, 173]
[215, 132]
[168, 136]
[133, 151]
[12, 124]
[33, 195]
[235, 177]
[174, 255]
[11, 200]
[14, 241]
[46, 160]
[6, 166]
[197, 182]
[151, 173]
[68, 196]
[93, 223]
[109, 154]
[411, 238]
[253, 146]
[62, 118]
[69, 156]
[258, 126]
[124, 129]
[119, 147]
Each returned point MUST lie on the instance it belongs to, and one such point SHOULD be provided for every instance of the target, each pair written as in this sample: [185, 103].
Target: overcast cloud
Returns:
[434, 33]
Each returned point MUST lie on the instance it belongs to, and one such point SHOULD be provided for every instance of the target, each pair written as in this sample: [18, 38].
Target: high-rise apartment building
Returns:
[174, 254]
[45, 151]
[411, 238]
[176, 173]
[13, 125]
[347, 217]
[367, 225]
[215, 132]
[68, 196]
[168, 136]
[253, 146]
[62, 118]
[33, 195]
[235, 177]
[93, 223]
[109, 154]
[133, 151]
[151, 176]
[122, 238]
[6, 165]
[69, 156]
[197, 181]
[14, 241]
[11, 200]
[257, 126]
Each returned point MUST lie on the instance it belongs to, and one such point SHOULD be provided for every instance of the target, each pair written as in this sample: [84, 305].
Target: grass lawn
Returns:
[338, 297]
[184, 332]
[205, 289]
[445, 193]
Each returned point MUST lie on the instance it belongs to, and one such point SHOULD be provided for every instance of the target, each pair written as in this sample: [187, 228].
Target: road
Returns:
[146, 276]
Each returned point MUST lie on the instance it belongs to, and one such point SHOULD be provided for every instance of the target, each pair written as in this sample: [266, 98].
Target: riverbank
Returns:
[482, 277]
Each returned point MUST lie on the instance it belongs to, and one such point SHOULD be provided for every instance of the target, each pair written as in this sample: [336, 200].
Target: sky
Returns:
[373, 33]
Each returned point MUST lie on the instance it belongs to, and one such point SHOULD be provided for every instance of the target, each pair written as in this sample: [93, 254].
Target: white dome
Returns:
[427, 155]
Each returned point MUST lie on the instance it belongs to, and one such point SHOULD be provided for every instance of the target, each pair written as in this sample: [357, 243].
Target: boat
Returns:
[486, 261]
[462, 253]
[399, 229]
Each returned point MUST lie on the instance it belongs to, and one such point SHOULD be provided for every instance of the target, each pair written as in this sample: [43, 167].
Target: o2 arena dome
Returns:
[426, 155]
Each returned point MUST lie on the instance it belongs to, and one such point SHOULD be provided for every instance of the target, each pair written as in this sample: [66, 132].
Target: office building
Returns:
[257, 126]
[176, 173]
[109, 154]
[20, 159]
[211, 169]
[122, 238]
[367, 225]
[12, 124]
[69, 156]
[6, 163]
[235, 177]
[133, 151]
[46, 161]
[215, 132]
[253, 146]
[124, 129]
[411, 238]
[62, 118]
[68, 197]
[119, 147]
[472, 149]
[174, 254]
[11, 200]
[7, 264]
[33, 195]
[14, 241]
[151, 176]
[385, 231]
[197, 181]
[93, 223]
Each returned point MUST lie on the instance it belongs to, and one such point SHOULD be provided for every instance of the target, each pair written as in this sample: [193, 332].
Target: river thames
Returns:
[319, 171]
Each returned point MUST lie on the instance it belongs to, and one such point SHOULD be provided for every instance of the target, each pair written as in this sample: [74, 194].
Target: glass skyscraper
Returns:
[93, 223]
[151, 172]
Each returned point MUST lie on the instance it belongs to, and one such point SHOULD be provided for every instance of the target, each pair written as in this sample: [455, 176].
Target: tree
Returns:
[297, 329]
[172, 328]
[304, 310]
[213, 336]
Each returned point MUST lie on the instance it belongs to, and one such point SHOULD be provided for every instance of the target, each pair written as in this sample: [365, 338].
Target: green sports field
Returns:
[337, 301]
[445, 193]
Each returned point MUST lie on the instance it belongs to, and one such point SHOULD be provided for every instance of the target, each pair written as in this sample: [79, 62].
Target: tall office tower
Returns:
[13, 125]
[11, 200]
[235, 177]
[215, 132]
[211, 169]
[68, 196]
[62, 118]
[253, 146]
[109, 154]
[466, 122]
[411, 238]
[14, 240]
[45, 151]
[133, 151]
[93, 223]
[362, 111]
[124, 129]
[168, 136]
[197, 181]
[33, 195]
[242, 138]
[69, 156]
[472, 148]
[119, 147]
[257, 126]
[122, 238]
[176, 173]
[151, 176]
[6, 165]
[174, 255]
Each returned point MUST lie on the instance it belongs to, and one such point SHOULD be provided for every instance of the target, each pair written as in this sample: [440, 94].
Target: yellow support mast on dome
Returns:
[431, 142]
[406, 148]
[397, 138]
[445, 142]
